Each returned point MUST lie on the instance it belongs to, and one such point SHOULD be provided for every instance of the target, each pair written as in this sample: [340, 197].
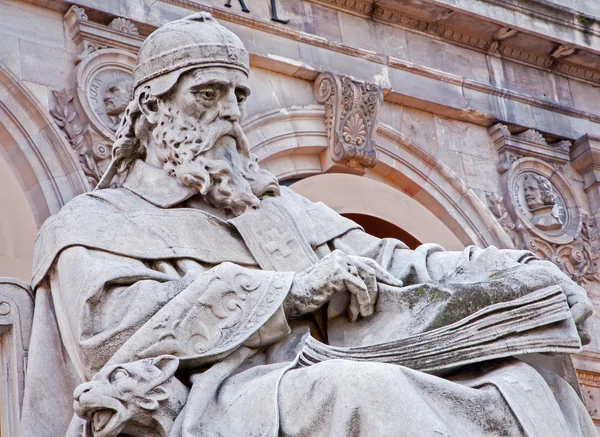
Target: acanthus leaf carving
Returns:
[351, 116]
[563, 145]
[578, 259]
[512, 228]
[532, 136]
[66, 118]
[124, 25]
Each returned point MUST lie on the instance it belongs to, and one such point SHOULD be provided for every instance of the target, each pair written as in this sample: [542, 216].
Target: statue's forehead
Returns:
[211, 76]
[531, 182]
[217, 74]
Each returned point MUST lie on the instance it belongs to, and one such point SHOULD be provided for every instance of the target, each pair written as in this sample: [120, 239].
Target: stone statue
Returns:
[282, 317]
[116, 97]
[539, 196]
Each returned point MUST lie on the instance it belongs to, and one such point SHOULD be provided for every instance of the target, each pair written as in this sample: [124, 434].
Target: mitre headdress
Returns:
[195, 41]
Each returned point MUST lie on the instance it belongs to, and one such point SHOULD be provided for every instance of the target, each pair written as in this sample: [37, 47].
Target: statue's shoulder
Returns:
[89, 208]
[85, 219]
[107, 201]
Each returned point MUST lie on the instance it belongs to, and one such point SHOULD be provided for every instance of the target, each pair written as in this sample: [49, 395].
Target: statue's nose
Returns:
[81, 389]
[230, 109]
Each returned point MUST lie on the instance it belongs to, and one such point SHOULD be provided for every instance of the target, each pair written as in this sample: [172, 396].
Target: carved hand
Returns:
[338, 272]
[580, 304]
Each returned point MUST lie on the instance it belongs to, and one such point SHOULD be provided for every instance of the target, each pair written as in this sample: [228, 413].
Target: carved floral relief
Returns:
[538, 208]
[351, 118]
[90, 115]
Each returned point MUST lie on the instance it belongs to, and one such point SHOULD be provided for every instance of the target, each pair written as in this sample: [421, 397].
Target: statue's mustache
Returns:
[220, 129]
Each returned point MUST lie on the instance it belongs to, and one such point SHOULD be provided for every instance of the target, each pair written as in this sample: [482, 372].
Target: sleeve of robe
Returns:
[430, 263]
[102, 299]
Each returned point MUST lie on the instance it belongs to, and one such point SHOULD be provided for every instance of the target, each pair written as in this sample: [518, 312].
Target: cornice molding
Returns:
[572, 16]
[371, 56]
[463, 39]
[93, 36]
[591, 379]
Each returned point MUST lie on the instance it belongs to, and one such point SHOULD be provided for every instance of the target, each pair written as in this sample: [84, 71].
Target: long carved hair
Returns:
[129, 145]
[546, 191]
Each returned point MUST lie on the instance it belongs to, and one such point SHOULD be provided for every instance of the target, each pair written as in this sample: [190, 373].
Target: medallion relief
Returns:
[542, 201]
[104, 87]
[109, 93]
[539, 201]
[90, 115]
[537, 206]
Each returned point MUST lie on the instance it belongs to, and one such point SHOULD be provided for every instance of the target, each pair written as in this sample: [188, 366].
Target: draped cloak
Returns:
[122, 274]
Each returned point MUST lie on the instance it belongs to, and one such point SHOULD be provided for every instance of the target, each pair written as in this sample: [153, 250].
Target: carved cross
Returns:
[272, 246]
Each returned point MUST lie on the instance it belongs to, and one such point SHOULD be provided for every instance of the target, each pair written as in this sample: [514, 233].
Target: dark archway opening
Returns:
[383, 229]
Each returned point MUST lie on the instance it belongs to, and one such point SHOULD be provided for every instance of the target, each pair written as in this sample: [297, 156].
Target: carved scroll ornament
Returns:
[352, 109]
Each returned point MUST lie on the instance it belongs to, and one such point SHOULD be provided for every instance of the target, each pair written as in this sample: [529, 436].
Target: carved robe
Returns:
[123, 274]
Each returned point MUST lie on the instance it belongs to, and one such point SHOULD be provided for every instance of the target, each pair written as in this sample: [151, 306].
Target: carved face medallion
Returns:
[104, 89]
[540, 202]
[108, 93]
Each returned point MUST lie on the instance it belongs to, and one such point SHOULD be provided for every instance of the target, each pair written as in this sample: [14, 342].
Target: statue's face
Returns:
[533, 195]
[211, 94]
[116, 98]
[198, 139]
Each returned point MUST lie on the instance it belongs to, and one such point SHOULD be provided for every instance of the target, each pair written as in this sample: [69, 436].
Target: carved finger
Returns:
[358, 288]
[584, 330]
[353, 309]
[368, 275]
[581, 311]
[381, 274]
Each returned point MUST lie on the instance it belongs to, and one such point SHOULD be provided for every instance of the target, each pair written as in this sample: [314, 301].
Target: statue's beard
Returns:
[214, 161]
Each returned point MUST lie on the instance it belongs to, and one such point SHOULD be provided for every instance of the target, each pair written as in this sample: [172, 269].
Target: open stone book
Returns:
[538, 322]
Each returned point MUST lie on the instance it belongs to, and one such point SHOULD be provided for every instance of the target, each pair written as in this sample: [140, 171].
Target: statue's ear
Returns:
[167, 363]
[151, 400]
[148, 104]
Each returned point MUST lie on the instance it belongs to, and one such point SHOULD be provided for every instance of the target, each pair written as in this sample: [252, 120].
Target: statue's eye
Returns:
[207, 93]
[118, 373]
[241, 94]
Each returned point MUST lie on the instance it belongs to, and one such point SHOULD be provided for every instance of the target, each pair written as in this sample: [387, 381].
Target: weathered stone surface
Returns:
[437, 81]
[322, 21]
[378, 37]
[34, 55]
[464, 138]
[187, 248]
[446, 57]
[32, 24]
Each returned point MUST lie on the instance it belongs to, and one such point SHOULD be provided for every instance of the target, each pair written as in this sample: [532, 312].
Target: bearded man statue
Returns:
[191, 295]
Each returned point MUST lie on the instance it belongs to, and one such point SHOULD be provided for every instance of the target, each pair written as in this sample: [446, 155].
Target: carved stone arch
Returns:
[406, 165]
[290, 143]
[33, 146]
[364, 197]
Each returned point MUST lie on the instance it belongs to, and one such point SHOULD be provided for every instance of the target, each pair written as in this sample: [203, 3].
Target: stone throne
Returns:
[16, 316]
